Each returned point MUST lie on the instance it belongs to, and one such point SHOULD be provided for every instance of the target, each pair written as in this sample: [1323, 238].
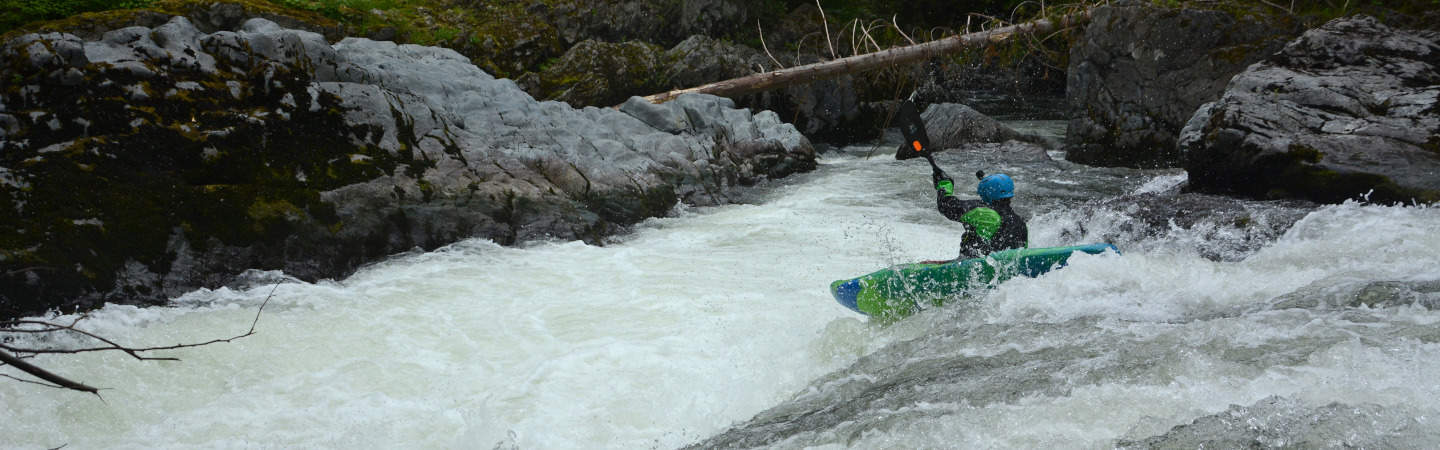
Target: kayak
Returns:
[902, 290]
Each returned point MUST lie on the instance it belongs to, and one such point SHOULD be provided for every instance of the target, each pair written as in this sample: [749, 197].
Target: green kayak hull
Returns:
[901, 290]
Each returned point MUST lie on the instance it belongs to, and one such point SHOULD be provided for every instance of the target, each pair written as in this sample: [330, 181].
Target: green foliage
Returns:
[335, 9]
[446, 34]
[14, 13]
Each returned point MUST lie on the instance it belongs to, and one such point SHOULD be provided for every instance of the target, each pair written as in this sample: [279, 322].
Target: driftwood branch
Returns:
[14, 356]
[826, 23]
[37, 372]
[766, 47]
[894, 20]
[872, 61]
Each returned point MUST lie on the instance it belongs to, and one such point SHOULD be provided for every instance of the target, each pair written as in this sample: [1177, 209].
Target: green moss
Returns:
[113, 15]
[1234, 54]
[269, 209]
[1305, 153]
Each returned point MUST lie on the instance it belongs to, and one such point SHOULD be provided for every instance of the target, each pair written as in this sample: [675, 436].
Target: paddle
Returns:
[917, 143]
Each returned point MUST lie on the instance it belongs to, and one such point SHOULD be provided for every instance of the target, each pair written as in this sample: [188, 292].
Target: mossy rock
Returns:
[597, 73]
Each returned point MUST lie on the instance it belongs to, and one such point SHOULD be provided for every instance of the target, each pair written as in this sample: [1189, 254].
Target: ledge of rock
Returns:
[1139, 72]
[1348, 110]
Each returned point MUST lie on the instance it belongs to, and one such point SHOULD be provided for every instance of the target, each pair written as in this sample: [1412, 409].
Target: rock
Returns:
[268, 148]
[663, 22]
[952, 125]
[1223, 229]
[1292, 421]
[701, 59]
[712, 17]
[1348, 110]
[507, 45]
[827, 109]
[1028, 88]
[1138, 73]
[594, 73]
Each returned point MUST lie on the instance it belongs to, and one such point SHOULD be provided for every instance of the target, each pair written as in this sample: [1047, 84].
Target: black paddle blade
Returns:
[917, 143]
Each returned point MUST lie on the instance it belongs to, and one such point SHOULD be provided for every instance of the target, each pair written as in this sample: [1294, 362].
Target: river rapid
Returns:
[714, 327]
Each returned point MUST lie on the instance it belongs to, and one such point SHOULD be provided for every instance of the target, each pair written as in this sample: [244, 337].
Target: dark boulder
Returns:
[155, 161]
[595, 73]
[952, 125]
[701, 59]
[662, 22]
[1138, 73]
[1348, 110]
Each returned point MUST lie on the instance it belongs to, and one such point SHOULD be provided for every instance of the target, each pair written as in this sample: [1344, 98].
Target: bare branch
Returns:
[22, 380]
[43, 374]
[854, 49]
[26, 269]
[766, 47]
[898, 30]
[872, 39]
[800, 46]
[18, 361]
[826, 23]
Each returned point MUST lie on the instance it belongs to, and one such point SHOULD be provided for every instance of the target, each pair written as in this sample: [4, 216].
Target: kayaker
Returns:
[990, 224]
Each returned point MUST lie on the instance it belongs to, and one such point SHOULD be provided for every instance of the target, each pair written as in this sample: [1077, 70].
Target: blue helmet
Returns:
[995, 187]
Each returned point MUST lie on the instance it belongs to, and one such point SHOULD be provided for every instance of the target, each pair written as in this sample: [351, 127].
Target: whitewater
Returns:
[713, 327]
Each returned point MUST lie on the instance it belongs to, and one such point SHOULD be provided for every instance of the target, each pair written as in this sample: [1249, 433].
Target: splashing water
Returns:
[715, 327]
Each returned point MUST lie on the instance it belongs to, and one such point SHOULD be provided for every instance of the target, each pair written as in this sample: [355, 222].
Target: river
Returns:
[714, 327]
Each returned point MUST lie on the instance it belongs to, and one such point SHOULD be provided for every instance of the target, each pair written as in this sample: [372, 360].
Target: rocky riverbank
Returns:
[153, 161]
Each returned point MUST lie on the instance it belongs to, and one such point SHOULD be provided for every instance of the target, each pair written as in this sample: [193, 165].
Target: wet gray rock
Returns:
[1348, 110]
[1139, 73]
[153, 161]
[952, 125]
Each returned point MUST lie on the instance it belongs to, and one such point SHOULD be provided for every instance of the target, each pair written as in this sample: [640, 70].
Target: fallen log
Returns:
[871, 61]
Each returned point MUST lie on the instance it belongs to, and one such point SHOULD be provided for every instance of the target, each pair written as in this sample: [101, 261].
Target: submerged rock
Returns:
[1138, 73]
[1348, 110]
[154, 161]
[1214, 227]
[1285, 422]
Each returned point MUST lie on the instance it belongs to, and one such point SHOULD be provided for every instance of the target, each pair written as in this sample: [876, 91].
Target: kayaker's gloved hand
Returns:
[943, 184]
[937, 174]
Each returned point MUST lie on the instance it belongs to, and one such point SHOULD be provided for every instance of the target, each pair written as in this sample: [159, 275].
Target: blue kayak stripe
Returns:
[846, 293]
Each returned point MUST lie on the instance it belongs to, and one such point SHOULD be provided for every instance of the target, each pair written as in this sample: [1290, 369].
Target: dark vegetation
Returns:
[523, 39]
